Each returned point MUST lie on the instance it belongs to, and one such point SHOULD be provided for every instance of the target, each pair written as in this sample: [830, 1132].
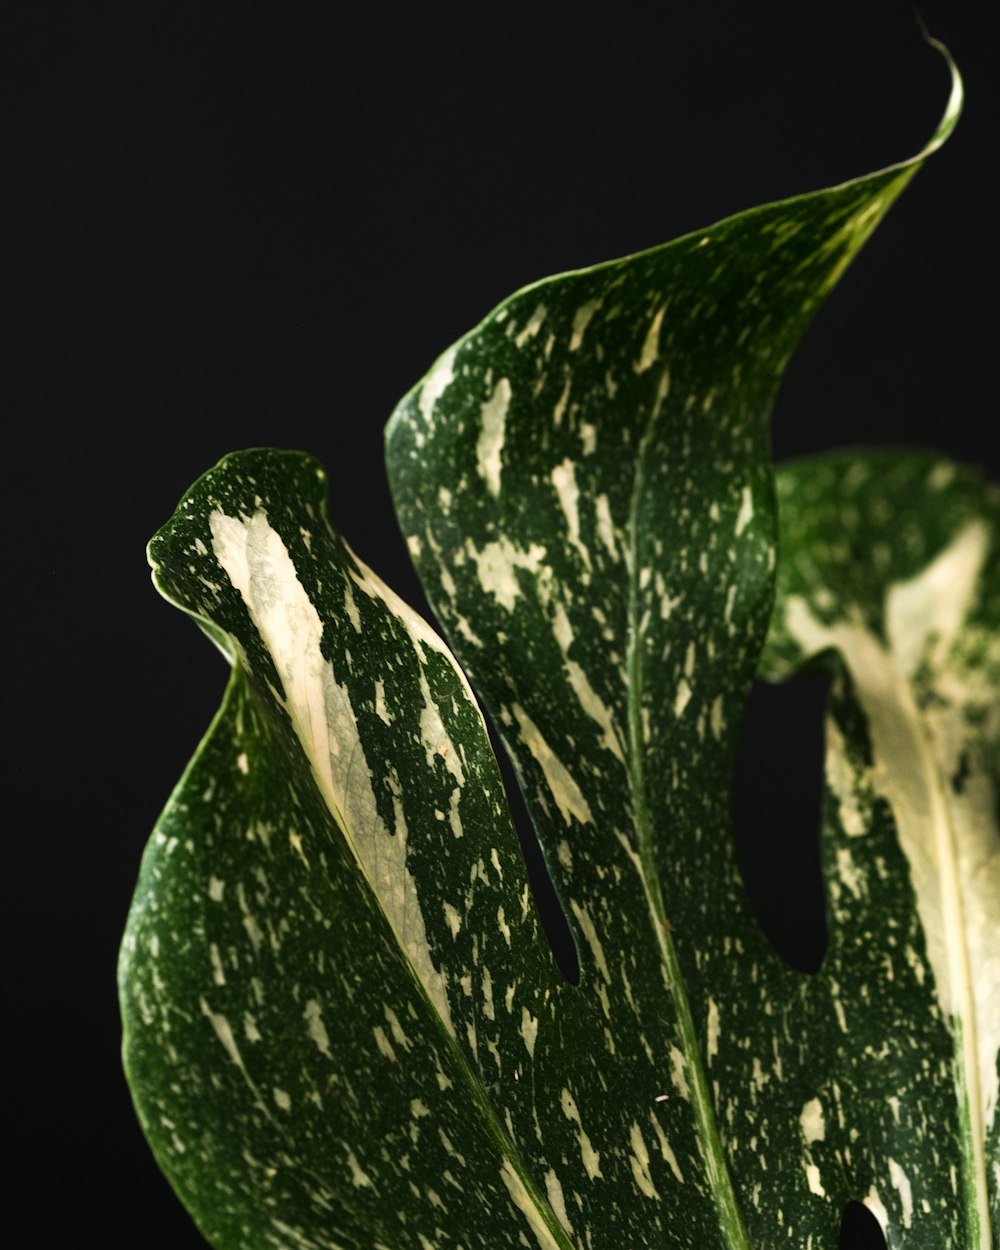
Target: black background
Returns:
[236, 225]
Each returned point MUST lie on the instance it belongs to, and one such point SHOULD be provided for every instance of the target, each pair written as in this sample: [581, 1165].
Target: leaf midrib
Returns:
[709, 1140]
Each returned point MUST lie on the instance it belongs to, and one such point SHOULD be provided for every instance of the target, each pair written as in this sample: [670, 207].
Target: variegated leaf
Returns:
[585, 486]
[336, 996]
[890, 574]
[343, 1026]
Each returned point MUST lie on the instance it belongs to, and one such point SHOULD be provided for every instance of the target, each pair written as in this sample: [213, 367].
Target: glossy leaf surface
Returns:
[343, 1024]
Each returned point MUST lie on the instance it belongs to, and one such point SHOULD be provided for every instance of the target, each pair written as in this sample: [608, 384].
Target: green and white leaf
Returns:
[333, 975]
[343, 1025]
[890, 575]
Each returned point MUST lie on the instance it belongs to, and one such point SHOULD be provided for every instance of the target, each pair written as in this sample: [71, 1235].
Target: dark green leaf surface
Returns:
[344, 1027]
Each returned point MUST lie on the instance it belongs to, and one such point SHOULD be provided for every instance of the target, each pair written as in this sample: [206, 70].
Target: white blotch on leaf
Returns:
[496, 567]
[581, 319]
[381, 711]
[813, 1180]
[532, 326]
[453, 919]
[712, 1031]
[529, 1030]
[901, 1184]
[436, 383]
[812, 1121]
[651, 344]
[566, 793]
[924, 615]
[590, 1158]
[639, 1161]
[665, 1148]
[359, 1177]
[489, 445]
[605, 526]
[564, 481]
[313, 1015]
[745, 514]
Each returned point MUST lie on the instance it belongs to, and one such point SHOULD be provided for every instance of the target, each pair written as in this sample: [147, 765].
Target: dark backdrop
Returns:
[234, 225]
